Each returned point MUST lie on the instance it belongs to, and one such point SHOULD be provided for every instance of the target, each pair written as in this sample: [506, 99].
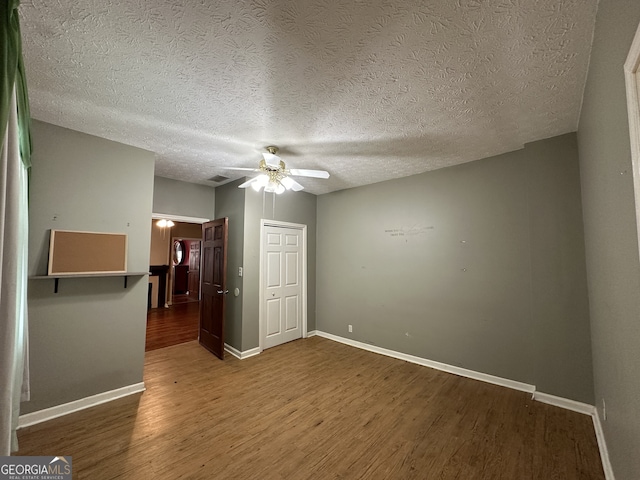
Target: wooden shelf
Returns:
[57, 278]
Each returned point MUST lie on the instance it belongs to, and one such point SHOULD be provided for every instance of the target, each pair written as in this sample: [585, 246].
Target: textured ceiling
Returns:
[368, 90]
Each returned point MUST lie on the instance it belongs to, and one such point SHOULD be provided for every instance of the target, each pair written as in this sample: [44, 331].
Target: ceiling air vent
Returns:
[218, 178]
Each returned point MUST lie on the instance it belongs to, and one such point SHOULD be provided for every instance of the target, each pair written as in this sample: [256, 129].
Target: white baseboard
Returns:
[572, 405]
[59, 410]
[254, 351]
[602, 446]
[241, 355]
[463, 372]
[565, 403]
[83, 403]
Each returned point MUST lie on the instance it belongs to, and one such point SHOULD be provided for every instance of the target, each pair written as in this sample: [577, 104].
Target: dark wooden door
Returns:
[194, 270]
[180, 280]
[213, 285]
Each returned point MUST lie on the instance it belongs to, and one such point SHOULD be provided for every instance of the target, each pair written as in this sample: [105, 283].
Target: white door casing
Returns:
[632, 80]
[283, 295]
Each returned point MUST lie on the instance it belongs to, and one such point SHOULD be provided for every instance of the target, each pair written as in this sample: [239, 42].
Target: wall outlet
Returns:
[604, 410]
[350, 328]
[239, 271]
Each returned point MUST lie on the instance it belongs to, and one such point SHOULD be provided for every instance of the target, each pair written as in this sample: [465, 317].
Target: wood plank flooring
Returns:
[317, 409]
[173, 325]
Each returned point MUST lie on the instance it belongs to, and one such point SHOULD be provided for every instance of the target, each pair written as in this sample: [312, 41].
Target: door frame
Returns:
[632, 81]
[172, 267]
[178, 218]
[169, 274]
[261, 310]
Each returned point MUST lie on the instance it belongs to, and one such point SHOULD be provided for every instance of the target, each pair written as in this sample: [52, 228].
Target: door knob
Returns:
[223, 292]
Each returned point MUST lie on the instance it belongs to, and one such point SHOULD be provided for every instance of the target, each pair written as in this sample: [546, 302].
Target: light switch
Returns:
[239, 271]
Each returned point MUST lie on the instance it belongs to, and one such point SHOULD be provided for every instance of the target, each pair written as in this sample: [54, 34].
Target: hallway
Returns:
[173, 325]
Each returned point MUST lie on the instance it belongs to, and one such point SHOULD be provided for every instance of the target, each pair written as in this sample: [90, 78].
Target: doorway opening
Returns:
[173, 305]
[185, 260]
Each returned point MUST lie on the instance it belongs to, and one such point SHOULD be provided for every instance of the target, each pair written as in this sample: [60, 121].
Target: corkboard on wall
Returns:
[72, 253]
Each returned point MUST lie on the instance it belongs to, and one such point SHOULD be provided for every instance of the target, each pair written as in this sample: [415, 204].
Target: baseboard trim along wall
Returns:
[241, 355]
[463, 372]
[586, 409]
[602, 446]
[59, 410]
[565, 403]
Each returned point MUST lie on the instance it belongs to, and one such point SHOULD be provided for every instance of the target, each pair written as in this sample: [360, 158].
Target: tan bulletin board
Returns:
[72, 253]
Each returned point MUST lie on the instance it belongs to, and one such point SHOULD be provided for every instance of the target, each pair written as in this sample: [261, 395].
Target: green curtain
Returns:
[15, 161]
[12, 73]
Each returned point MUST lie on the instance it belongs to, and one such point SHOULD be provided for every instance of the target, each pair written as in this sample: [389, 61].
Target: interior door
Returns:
[213, 285]
[194, 270]
[282, 285]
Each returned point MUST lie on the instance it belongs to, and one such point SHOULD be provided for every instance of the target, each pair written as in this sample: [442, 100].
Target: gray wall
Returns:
[479, 266]
[230, 203]
[174, 197]
[611, 236]
[294, 207]
[89, 338]
[561, 341]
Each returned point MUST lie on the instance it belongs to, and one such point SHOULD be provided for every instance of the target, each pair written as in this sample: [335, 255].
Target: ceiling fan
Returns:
[275, 177]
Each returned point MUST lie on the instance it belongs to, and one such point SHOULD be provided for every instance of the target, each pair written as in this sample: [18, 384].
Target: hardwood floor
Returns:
[173, 325]
[316, 409]
[175, 299]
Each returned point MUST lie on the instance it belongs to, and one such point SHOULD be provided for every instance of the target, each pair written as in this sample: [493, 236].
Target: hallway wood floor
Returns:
[317, 409]
[171, 326]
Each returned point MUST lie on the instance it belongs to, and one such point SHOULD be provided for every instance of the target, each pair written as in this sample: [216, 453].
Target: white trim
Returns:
[178, 218]
[633, 58]
[463, 372]
[77, 405]
[602, 446]
[241, 355]
[261, 314]
[565, 403]
[632, 81]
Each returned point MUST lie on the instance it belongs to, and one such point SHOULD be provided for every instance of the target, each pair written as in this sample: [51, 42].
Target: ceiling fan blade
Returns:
[290, 184]
[248, 183]
[271, 159]
[244, 169]
[301, 172]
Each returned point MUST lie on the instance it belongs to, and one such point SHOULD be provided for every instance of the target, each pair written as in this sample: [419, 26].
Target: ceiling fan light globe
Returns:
[280, 189]
[262, 180]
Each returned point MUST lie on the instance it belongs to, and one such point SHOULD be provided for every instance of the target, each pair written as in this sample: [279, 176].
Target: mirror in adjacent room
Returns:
[178, 252]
